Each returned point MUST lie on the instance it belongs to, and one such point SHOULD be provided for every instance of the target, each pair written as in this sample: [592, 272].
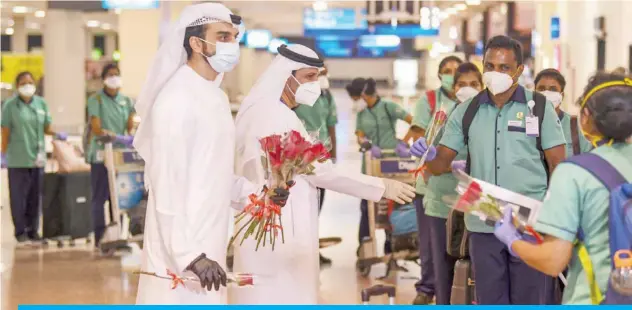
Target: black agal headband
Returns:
[289, 54]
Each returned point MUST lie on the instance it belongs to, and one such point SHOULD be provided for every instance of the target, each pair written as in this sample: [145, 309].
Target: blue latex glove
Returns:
[458, 165]
[61, 136]
[506, 232]
[376, 152]
[126, 140]
[402, 150]
[3, 161]
[420, 147]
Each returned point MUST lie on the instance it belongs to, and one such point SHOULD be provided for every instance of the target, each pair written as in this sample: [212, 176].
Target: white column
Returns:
[65, 82]
[618, 15]
[19, 39]
[139, 32]
[545, 45]
[89, 43]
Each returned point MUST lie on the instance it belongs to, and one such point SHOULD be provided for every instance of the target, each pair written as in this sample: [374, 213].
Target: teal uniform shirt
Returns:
[378, 124]
[576, 199]
[113, 113]
[500, 151]
[422, 114]
[319, 117]
[27, 123]
[445, 184]
[584, 144]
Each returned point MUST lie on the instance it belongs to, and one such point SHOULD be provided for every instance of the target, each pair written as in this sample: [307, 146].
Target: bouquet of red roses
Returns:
[285, 156]
[439, 119]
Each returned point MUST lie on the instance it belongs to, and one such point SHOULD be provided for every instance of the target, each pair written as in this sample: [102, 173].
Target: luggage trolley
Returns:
[127, 190]
[381, 217]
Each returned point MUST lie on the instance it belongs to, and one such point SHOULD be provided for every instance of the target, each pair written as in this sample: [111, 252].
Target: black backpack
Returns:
[538, 110]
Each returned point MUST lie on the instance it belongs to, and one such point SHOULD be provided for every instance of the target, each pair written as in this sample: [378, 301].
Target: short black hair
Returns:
[611, 107]
[551, 73]
[356, 87]
[506, 42]
[107, 68]
[194, 31]
[371, 87]
[468, 67]
[21, 75]
[449, 59]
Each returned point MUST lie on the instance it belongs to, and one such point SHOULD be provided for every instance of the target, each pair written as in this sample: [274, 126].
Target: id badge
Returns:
[532, 126]
[40, 159]
[100, 156]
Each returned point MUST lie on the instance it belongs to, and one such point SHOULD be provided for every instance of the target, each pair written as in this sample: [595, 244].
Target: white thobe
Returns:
[291, 271]
[191, 184]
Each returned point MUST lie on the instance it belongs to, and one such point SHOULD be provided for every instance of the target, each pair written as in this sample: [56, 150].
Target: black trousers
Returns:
[25, 191]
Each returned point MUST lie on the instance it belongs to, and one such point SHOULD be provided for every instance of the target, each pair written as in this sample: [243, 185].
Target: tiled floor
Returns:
[75, 276]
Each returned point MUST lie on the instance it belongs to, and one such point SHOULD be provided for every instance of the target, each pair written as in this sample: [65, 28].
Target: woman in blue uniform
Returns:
[25, 121]
[575, 214]
[376, 130]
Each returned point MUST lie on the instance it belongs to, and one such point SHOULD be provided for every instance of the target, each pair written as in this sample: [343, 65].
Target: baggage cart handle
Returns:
[378, 290]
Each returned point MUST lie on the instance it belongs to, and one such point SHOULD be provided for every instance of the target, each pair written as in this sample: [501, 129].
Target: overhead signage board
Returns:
[130, 4]
[555, 28]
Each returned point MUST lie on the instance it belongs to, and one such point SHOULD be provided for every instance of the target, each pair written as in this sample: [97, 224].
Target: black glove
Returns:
[209, 271]
[280, 195]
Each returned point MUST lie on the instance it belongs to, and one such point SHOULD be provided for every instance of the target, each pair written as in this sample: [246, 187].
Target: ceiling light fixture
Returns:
[10, 22]
[20, 9]
[93, 23]
[460, 6]
[9, 31]
[106, 26]
[320, 6]
[40, 14]
[472, 2]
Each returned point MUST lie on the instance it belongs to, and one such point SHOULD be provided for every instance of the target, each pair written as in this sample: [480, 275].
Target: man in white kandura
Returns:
[293, 266]
[186, 138]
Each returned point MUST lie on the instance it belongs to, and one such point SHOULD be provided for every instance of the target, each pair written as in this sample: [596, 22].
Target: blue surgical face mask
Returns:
[447, 81]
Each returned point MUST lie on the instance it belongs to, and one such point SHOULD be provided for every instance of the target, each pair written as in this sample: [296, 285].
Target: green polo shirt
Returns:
[27, 123]
[422, 114]
[584, 144]
[319, 117]
[577, 200]
[378, 124]
[445, 184]
[500, 151]
[113, 113]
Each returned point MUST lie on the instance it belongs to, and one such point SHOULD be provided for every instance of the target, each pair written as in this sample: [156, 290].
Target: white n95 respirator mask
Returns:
[27, 90]
[359, 105]
[113, 82]
[497, 82]
[226, 56]
[306, 93]
[324, 82]
[554, 97]
[466, 93]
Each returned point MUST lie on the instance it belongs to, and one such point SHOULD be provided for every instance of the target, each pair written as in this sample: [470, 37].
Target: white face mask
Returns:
[113, 82]
[27, 90]
[497, 82]
[226, 56]
[466, 93]
[359, 105]
[554, 97]
[306, 93]
[324, 82]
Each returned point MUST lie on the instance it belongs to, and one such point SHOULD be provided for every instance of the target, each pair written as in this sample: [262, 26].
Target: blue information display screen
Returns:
[130, 4]
[340, 19]
[555, 28]
[336, 47]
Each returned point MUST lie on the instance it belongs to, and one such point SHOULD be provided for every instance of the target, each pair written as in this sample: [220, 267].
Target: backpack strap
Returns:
[611, 178]
[432, 100]
[600, 168]
[575, 135]
[538, 111]
[466, 122]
